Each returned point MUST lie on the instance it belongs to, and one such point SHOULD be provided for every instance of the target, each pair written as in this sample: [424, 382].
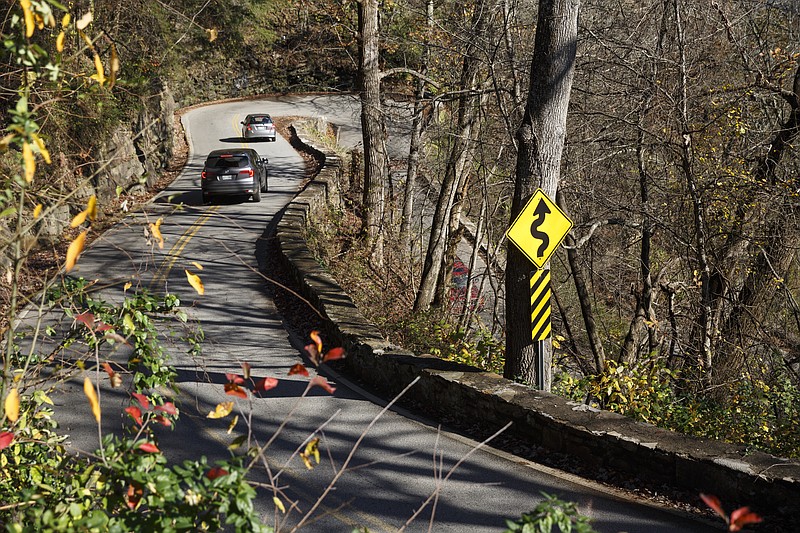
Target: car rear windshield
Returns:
[227, 162]
[260, 119]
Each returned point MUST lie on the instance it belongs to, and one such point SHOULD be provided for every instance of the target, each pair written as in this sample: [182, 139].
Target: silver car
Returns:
[258, 126]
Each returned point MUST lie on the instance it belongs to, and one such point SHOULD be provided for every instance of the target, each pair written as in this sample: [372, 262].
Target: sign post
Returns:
[537, 231]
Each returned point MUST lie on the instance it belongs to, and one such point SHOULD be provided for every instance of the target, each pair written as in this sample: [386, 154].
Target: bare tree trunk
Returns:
[417, 126]
[376, 161]
[584, 300]
[458, 161]
[541, 142]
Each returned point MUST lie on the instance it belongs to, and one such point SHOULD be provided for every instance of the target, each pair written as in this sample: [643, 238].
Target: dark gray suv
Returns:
[234, 172]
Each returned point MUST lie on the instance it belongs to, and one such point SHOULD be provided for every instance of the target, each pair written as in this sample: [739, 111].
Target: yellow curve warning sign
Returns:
[539, 228]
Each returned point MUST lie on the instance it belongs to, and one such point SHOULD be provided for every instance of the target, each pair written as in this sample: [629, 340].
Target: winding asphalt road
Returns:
[401, 472]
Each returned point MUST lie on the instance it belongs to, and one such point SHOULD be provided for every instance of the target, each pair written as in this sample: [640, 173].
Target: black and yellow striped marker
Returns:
[540, 304]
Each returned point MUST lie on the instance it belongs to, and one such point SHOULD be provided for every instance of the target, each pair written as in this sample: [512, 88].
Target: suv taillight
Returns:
[203, 175]
[248, 172]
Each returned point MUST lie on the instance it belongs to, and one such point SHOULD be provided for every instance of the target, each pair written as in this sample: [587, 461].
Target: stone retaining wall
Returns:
[764, 482]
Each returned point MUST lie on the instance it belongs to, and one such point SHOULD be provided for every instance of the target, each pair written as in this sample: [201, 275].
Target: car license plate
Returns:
[226, 177]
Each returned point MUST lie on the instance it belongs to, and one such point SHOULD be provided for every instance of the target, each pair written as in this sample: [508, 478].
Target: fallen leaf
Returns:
[246, 370]
[213, 33]
[12, 405]
[221, 410]
[88, 389]
[233, 424]
[60, 41]
[37, 211]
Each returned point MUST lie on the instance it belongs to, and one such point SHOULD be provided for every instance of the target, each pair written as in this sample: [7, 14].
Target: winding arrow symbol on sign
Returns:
[541, 212]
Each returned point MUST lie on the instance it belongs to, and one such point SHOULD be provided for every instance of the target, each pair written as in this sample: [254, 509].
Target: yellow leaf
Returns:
[91, 207]
[114, 66]
[155, 230]
[233, 424]
[75, 249]
[78, 219]
[12, 405]
[195, 282]
[37, 210]
[197, 265]
[84, 21]
[312, 449]
[88, 390]
[127, 321]
[28, 13]
[213, 33]
[221, 410]
[100, 77]
[65, 20]
[279, 504]
[29, 161]
[6, 141]
[127, 286]
[42, 148]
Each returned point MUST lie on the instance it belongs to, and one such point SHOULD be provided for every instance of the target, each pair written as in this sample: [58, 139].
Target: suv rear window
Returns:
[227, 162]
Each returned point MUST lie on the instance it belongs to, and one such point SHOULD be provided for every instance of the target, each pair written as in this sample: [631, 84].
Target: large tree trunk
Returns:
[376, 161]
[541, 141]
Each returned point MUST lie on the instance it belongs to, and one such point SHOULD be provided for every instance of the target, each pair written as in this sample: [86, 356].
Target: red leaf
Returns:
[108, 369]
[149, 447]
[319, 381]
[741, 517]
[135, 413]
[216, 472]
[266, 384]
[142, 399]
[163, 421]
[168, 408]
[246, 370]
[235, 390]
[716, 505]
[104, 327]
[86, 318]
[6, 438]
[233, 378]
[333, 354]
[298, 369]
[135, 492]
